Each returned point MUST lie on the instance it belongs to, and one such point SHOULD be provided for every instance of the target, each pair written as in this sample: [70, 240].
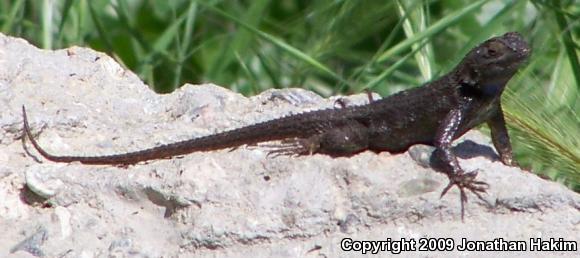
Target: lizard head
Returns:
[491, 64]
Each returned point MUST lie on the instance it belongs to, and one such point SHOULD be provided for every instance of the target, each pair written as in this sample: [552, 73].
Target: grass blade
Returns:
[283, 45]
[437, 27]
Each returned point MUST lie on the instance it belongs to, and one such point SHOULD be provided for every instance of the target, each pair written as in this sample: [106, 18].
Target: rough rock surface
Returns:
[229, 203]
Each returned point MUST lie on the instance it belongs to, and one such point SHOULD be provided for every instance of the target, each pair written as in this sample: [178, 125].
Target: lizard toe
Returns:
[466, 181]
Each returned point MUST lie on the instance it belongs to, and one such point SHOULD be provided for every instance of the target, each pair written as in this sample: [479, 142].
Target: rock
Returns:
[227, 203]
[43, 181]
[33, 243]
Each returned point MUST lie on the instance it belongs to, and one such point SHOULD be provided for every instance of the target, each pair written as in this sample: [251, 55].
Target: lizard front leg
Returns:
[500, 137]
[342, 102]
[450, 165]
[370, 95]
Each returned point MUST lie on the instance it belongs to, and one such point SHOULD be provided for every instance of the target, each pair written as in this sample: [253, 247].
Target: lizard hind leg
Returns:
[341, 140]
[294, 147]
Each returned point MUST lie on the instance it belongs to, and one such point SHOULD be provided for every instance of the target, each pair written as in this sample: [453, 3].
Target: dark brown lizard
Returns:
[434, 114]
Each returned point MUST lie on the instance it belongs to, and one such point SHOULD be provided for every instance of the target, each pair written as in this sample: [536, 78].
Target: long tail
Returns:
[300, 125]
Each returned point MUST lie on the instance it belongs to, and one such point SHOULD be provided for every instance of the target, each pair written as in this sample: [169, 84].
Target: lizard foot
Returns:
[291, 147]
[508, 160]
[465, 181]
[342, 102]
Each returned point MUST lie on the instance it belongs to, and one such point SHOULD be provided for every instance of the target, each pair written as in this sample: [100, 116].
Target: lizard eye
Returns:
[494, 49]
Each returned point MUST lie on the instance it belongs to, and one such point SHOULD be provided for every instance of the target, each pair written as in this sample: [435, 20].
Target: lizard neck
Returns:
[473, 82]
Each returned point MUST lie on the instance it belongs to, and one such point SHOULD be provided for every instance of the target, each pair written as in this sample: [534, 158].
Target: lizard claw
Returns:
[465, 181]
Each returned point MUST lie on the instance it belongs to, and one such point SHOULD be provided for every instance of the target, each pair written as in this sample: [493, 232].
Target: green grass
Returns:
[333, 47]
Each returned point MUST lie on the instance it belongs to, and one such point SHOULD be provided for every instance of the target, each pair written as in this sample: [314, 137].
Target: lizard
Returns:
[434, 114]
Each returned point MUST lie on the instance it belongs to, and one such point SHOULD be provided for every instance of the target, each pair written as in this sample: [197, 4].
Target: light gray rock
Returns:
[228, 203]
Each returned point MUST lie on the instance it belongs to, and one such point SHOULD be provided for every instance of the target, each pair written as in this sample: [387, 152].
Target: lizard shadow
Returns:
[465, 150]
[469, 149]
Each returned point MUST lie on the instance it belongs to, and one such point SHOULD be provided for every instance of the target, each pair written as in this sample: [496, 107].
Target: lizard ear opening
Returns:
[468, 81]
[469, 89]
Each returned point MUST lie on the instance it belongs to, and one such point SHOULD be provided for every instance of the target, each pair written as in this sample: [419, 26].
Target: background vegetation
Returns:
[333, 47]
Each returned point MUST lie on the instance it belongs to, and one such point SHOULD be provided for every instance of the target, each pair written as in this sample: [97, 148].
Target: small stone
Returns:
[33, 243]
[41, 181]
[63, 217]
[422, 154]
